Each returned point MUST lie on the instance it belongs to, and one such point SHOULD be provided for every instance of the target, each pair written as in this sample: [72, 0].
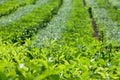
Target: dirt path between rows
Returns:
[94, 26]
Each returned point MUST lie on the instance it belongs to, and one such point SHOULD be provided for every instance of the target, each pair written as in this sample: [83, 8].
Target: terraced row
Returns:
[62, 48]
[74, 51]
[21, 12]
[107, 22]
[54, 28]
[30, 23]
[18, 55]
[12, 5]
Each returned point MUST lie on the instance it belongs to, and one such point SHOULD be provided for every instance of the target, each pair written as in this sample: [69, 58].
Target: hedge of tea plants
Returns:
[55, 41]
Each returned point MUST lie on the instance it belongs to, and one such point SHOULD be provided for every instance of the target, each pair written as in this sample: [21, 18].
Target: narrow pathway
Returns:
[95, 34]
[108, 26]
[93, 22]
[54, 28]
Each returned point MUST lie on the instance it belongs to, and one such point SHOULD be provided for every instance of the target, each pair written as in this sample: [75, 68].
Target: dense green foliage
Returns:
[55, 42]
[29, 24]
[107, 19]
[12, 5]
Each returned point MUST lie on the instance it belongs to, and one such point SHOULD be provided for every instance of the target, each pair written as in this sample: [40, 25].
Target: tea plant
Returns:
[29, 24]
[107, 26]
[13, 5]
[58, 45]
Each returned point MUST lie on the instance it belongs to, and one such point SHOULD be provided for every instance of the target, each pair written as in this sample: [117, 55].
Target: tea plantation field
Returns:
[59, 39]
